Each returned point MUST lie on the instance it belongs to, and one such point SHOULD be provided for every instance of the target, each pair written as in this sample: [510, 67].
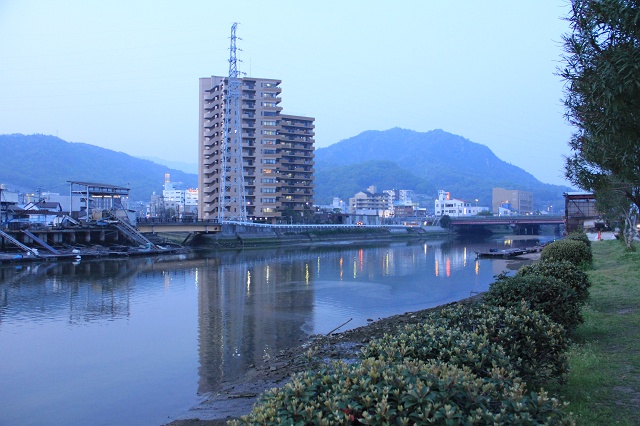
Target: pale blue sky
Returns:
[123, 74]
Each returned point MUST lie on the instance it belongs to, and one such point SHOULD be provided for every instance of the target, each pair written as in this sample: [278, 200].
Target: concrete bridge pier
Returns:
[527, 229]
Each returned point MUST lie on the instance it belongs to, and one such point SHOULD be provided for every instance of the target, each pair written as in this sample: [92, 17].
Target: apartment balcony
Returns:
[210, 133]
[210, 96]
[210, 180]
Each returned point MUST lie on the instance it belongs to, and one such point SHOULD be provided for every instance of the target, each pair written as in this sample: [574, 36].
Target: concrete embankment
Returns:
[237, 236]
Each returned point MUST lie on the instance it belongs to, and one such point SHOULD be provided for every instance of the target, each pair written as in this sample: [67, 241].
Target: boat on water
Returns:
[506, 253]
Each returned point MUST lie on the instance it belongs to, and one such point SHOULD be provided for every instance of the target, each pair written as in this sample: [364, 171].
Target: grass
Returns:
[604, 382]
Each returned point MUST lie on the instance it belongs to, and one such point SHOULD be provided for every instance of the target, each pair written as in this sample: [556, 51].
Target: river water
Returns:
[140, 341]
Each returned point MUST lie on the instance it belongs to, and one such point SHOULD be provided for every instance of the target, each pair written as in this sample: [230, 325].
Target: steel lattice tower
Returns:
[232, 159]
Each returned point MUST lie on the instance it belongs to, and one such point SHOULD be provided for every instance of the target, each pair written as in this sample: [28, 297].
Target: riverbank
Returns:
[243, 237]
[237, 399]
[604, 381]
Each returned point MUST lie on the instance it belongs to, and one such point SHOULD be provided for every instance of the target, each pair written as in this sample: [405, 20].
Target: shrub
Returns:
[428, 342]
[535, 344]
[579, 236]
[413, 392]
[572, 251]
[546, 294]
[566, 272]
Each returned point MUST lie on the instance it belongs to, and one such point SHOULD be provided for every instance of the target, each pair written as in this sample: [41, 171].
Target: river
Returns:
[141, 340]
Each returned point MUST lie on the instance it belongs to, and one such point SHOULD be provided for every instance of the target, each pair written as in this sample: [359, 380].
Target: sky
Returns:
[123, 74]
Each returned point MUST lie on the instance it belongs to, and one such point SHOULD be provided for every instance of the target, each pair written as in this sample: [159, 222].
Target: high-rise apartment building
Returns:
[277, 153]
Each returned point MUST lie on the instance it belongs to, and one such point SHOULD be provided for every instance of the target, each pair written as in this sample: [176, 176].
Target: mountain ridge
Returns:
[466, 169]
[50, 163]
[391, 159]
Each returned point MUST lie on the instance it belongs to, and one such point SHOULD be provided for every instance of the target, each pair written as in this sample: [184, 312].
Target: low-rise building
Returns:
[371, 201]
[454, 207]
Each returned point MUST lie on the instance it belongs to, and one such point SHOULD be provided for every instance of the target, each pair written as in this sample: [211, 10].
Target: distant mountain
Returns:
[190, 168]
[48, 162]
[392, 159]
[435, 159]
[346, 180]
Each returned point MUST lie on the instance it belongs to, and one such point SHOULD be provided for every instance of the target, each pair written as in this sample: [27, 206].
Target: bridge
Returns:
[529, 224]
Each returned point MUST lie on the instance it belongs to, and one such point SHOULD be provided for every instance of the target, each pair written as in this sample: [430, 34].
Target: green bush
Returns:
[427, 342]
[579, 236]
[566, 272]
[546, 294]
[572, 251]
[535, 344]
[376, 392]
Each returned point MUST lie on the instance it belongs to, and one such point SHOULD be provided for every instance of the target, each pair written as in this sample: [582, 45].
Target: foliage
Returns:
[615, 207]
[603, 95]
[375, 392]
[448, 344]
[569, 250]
[445, 221]
[546, 294]
[566, 272]
[534, 343]
[579, 236]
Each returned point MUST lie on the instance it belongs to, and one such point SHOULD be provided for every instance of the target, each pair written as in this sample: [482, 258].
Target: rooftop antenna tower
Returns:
[232, 201]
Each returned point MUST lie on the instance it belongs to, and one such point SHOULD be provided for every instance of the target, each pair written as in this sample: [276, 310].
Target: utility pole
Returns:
[232, 206]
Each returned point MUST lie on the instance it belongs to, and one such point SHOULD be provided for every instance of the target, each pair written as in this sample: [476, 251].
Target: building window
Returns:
[269, 190]
[269, 132]
[269, 161]
[269, 142]
[269, 180]
[269, 123]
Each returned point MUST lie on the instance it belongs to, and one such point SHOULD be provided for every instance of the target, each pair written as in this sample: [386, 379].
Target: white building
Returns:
[454, 207]
[181, 201]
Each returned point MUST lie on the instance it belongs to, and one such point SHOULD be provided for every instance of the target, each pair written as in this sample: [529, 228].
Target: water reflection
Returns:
[161, 331]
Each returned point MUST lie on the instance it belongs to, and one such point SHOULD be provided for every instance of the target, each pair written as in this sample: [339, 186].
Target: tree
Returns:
[602, 76]
[614, 206]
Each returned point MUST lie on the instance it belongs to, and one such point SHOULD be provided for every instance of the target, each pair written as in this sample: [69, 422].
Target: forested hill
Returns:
[432, 160]
[41, 161]
[396, 158]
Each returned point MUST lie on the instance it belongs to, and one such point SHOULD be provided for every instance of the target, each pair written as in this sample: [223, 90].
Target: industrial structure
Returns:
[254, 162]
[580, 211]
